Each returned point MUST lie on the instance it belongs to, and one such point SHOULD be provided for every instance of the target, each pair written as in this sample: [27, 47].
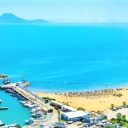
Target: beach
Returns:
[100, 100]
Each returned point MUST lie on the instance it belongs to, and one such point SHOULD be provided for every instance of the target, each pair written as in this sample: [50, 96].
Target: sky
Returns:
[85, 11]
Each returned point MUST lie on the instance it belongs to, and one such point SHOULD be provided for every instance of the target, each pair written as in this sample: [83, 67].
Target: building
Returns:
[66, 108]
[75, 116]
[56, 104]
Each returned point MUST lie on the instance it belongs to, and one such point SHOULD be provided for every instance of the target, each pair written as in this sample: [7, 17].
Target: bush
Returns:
[50, 111]
[48, 98]
[120, 119]
[117, 94]
[110, 126]
[80, 108]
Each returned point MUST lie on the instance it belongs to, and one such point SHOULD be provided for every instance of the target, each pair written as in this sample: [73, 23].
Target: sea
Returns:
[61, 58]
[65, 57]
[16, 113]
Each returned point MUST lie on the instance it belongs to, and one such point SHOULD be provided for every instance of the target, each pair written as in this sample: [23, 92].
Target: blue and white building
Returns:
[75, 116]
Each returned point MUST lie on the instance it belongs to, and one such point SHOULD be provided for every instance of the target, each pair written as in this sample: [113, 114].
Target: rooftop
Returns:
[75, 114]
[68, 107]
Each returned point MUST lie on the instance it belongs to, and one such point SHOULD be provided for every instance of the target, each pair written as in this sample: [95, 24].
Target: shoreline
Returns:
[106, 87]
[97, 100]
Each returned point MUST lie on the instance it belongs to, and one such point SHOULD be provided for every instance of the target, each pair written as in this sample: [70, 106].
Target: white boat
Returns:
[0, 101]
[35, 110]
[33, 106]
[12, 125]
[27, 104]
[30, 121]
[1, 123]
[23, 102]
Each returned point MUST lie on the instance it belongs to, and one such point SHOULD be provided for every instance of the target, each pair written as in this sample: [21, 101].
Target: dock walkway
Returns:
[25, 93]
[36, 100]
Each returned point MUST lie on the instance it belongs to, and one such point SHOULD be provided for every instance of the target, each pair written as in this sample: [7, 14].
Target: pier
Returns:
[28, 95]
[19, 88]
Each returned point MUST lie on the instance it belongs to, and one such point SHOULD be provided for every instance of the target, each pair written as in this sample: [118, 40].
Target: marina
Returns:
[43, 111]
[13, 109]
[38, 110]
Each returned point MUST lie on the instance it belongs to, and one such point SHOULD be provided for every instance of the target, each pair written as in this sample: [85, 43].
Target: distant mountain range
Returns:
[9, 18]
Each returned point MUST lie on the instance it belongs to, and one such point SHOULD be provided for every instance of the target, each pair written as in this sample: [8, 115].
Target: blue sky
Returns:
[88, 11]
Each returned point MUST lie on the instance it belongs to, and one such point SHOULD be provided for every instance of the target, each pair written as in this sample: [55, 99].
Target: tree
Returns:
[110, 126]
[120, 120]
[124, 103]
[119, 117]
[112, 106]
[80, 108]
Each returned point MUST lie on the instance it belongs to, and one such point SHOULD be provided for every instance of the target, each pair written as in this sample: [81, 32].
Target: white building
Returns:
[61, 106]
[75, 116]
[56, 104]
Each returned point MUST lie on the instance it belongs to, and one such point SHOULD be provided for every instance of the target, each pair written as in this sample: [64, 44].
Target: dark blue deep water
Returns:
[65, 57]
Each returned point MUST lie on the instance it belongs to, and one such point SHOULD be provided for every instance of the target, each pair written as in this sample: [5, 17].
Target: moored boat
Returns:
[3, 108]
[30, 121]
[1, 123]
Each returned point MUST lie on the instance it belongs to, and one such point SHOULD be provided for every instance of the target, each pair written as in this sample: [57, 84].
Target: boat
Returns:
[30, 121]
[1, 123]
[23, 102]
[27, 104]
[33, 106]
[35, 110]
[13, 125]
[3, 108]
[6, 81]
[13, 95]
[0, 101]
[8, 90]
[37, 114]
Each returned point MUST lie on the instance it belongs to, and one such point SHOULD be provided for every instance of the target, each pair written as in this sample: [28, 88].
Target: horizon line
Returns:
[65, 21]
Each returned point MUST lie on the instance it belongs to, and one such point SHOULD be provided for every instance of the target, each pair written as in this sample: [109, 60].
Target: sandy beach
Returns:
[91, 101]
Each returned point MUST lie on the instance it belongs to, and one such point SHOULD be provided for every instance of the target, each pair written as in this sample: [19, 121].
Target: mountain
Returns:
[9, 18]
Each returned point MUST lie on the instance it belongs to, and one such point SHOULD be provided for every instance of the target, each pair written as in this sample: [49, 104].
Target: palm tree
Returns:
[112, 106]
[124, 103]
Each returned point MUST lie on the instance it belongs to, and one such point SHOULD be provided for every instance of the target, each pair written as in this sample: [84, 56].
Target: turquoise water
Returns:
[66, 57]
[62, 58]
[16, 113]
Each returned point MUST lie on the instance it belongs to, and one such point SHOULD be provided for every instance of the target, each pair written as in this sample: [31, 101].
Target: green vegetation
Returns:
[48, 98]
[112, 106]
[124, 103]
[50, 111]
[80, 108]
[117, 94]
[59, 118]
[58, 111]
[105, 117]
[109, 126]
[120, 119]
